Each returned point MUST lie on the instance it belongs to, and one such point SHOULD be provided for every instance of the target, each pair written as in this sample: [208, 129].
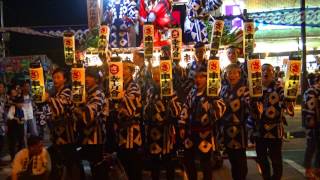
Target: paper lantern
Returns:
[213, 77]
[255, 77]
[69, 48]
[116, 79]
[37, 82]
[292, 80]
[78, 92]
[148, 33]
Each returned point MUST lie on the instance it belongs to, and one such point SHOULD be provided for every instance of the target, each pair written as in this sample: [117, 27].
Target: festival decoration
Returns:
[198, 13]
[248, 37]
[176, 44]
[37, 82]
[292, 80]
[69, 48]
[213, 77]
[166, 82]
[78, 83]
[159, 16]
[216, 36]
[93, 11]
[116, 78]
[148, 32]
[103, 42]
[255, 77]
[121, 15]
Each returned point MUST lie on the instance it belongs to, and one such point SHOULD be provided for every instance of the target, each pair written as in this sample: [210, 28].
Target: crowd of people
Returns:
[144, 125]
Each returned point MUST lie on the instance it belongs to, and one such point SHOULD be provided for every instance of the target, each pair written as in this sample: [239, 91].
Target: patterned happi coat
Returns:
[233, 123]
[311, 112]
[160, 117]
[272, 120]
[128, 117]
[43, 114]
[196, 9]
[3, 116]
[61, 124]
[120, 26]
[199, 116]
[90, 127]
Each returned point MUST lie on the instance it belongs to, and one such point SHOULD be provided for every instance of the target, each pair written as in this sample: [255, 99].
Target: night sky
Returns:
[28, 13]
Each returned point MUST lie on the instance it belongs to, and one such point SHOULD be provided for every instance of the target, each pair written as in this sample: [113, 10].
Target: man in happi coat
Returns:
[233, 125]
[311, 122]
[91, 121]
[127, 113]
[197, 123]
[160, 117]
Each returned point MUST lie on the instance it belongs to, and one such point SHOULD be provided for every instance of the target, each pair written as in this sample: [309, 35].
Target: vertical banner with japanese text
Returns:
[176, 44]
[78, 85]
[148, 33]
[69, 48]
[213, 78]
[217, 30]
[103, 42]
[37, 83]
[116, 80]
[292, 80]
[93, 11]
[248, 37]
[166, 83]
[255, 77]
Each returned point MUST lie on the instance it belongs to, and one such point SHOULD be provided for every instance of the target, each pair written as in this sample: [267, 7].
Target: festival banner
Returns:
[292, 80]
[78, 93]
[69, 48]
[166, 83]
[148, 33]
[176, 44]
[116, 80]
[217, 30]
[255, 77]
[248, 36]
[37, 82]
[213, 78]
[93, 12]
[103, 42]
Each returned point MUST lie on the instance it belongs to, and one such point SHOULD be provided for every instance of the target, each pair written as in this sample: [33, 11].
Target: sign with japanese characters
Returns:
[292, 79]
[116, 80]
[176, 44]
[69, 48]
[78, 85]
[37, 84]
[255, 77]
[216, 36]
[248, 36]
[148, 33]
[103, 42]
[166, 83]
[213, 77]
[93, 12]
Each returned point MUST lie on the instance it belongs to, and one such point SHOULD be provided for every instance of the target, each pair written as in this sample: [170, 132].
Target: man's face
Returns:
[267, 74]
[90, 82]
[58, 80]
[26, 87]
[232, 55]
[200, 52]
[138, 60]
[36, 149]
[233, 76]
[200, 81]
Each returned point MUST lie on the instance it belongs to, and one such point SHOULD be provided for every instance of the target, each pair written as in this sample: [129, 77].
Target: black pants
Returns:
[205, 165]
[270, 148]
[15, 137]
[132, 163]
[312, 151]
[1, 145]
[238, 161]
[164, 161]
[65, 156]
[94, 154]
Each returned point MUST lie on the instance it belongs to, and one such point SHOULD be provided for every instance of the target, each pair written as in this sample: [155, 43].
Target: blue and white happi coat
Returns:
[311, 112]
[119, 25]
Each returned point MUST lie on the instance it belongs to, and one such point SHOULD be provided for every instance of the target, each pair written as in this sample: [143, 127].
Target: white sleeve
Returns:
[11, 112]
